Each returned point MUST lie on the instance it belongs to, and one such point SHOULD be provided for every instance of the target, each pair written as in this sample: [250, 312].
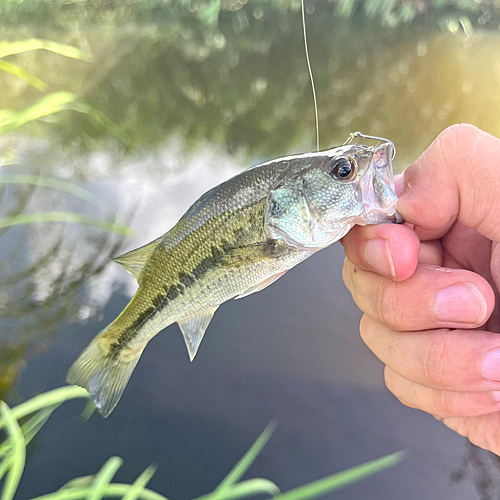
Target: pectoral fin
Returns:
[260, 286]
[194, 328]
[135, 260]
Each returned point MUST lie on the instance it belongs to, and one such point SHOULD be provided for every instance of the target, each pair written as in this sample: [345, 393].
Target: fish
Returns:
[235, 240]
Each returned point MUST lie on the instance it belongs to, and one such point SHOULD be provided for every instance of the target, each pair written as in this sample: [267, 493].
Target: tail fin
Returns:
[102, 374]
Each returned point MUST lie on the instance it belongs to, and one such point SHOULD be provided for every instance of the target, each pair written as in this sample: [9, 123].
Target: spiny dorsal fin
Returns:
[135, 260]
[194, 328]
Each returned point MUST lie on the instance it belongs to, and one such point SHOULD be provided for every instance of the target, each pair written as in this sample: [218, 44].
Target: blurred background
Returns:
[114, 117]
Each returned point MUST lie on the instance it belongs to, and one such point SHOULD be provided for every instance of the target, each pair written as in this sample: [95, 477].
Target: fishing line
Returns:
[310, 74]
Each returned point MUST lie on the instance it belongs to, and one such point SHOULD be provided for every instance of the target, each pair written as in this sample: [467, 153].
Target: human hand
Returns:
[427, 287]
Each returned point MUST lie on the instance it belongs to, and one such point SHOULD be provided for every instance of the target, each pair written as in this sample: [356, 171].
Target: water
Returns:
[190, 105]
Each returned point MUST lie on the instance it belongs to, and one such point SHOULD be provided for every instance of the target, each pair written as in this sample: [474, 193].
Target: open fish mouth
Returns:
[377, 189]
[396, 218]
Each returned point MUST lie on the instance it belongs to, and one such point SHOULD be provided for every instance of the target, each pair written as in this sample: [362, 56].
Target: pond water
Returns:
[170, 110]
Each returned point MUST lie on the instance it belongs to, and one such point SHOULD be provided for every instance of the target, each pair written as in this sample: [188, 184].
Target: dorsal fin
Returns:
[135, 260]
[194, 328]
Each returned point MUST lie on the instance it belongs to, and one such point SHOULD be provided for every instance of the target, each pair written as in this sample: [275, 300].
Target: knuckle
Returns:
[446, 403]
[405, 395]
[435, 360]
[368, 329]
[389, 311]
[486, 437]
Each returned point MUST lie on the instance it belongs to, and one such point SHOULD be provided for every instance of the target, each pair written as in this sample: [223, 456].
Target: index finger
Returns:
[456, 178]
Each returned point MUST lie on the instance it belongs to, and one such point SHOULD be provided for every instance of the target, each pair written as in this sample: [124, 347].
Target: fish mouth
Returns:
[377, 190]
[396, 218]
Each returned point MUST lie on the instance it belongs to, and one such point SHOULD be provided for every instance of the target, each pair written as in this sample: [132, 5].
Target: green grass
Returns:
[45, 106]
[100, 486]
[14, 48]
[109, 226]
[52, 183]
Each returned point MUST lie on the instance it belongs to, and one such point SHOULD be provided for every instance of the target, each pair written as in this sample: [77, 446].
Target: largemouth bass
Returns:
[238, 238]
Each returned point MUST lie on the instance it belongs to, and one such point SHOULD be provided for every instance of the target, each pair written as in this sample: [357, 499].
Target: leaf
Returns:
[252, 487]
[78, 482]
[134, 492]
[104, 477]
[248, 458]
[110, 227]
[11, 48]
[50, 182]
[88, 411]
[341, 479]
[111, 490]
[98, 118]
[47, 105]
[29, 430]
[23, 74]
[18, 453]
[47, 399]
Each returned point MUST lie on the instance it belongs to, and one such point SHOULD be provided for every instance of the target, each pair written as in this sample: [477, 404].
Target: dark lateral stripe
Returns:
[185, 281]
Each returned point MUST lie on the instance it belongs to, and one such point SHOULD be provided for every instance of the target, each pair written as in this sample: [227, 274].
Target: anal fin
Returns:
[194, 328]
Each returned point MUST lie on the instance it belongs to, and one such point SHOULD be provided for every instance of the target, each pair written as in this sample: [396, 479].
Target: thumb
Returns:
[456, 178]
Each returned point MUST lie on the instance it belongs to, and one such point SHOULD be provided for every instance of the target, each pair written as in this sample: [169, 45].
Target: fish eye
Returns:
[343, 168]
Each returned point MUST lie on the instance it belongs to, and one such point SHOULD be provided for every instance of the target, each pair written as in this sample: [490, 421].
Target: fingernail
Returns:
[491, 365]
[378, 255]
[460, 304]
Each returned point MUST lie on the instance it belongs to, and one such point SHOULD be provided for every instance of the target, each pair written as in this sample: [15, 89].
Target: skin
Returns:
[429, 288]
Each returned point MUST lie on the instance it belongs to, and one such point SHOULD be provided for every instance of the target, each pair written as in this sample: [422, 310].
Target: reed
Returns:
[37, 410]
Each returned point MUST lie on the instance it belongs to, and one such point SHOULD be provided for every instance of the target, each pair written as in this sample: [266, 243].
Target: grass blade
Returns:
[50, 182]
[88, 411]
[104, 477]
[78, 482]
[47, 105]
[115, 490]
[18, 453]
[50, 398]
[11, 48]
[23, 74]
[248, 458]
[110, 227]
[249, 488]
[134, 492]
[29, 430]
[99, 118]
[341, 479]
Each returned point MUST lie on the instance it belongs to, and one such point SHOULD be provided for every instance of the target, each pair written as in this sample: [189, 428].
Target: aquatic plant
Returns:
[96, 487]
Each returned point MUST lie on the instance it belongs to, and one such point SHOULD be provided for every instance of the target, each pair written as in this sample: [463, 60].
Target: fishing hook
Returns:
[353, 135]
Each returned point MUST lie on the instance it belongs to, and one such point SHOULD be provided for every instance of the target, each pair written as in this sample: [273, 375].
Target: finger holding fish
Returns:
[389, 249]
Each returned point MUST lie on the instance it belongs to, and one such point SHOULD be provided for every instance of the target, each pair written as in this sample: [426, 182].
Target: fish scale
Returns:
[235, 240]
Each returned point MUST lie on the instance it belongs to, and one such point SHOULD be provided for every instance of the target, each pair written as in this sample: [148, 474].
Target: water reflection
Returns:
[253, 92]
[194, 105]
